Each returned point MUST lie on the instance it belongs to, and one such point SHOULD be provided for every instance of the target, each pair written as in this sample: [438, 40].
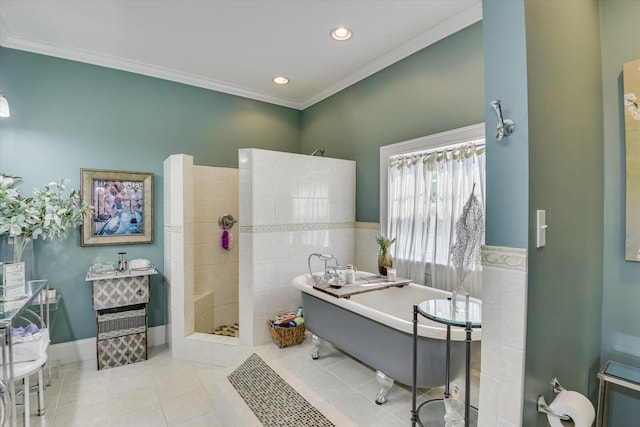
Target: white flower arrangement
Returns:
[631, 102]
[47, 214]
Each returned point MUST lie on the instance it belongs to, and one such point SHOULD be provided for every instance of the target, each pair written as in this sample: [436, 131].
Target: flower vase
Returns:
[460, 300]
[23, 252]
[384, 261]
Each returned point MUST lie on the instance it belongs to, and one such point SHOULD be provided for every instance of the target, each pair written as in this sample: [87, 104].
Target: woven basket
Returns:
[285, 337]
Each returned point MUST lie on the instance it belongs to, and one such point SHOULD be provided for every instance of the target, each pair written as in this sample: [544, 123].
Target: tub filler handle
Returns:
[329, 273]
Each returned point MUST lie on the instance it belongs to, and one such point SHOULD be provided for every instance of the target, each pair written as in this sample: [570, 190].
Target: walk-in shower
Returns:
[288, 206]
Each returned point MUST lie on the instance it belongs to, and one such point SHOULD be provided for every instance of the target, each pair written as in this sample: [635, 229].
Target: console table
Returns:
[120, 300]
[432, 412]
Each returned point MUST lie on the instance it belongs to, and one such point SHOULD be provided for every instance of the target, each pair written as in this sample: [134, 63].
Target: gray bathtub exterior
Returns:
[380, 346]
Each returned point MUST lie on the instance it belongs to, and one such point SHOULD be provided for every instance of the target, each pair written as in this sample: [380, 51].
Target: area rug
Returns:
[272, 400]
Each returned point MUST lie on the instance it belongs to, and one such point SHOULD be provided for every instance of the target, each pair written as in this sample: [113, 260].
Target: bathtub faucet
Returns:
[329, 274]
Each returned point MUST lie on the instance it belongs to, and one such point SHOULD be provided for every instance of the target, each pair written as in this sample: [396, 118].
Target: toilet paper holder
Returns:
[542, 406]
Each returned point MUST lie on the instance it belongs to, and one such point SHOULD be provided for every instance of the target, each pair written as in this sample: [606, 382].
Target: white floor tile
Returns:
[167, 392]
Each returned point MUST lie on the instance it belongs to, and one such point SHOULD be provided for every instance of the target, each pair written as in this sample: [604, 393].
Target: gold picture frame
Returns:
[631, 87]
[122, 207]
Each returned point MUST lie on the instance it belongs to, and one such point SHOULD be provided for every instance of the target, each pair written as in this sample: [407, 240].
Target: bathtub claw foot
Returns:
[385, 383]
[317, 343]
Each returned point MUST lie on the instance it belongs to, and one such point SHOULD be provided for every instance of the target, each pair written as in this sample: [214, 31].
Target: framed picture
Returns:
[122, 207]
[631, 84]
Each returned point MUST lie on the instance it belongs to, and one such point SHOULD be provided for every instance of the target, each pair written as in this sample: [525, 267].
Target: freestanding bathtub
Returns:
[376, 328]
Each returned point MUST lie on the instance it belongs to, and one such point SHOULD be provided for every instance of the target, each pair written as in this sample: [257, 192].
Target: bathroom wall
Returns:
[504, 258]
[215, 193]
[566, 179]
[367, 248]
[291, 205]
[621, 279]
[66, 115]
[556, 152]
[434, 90]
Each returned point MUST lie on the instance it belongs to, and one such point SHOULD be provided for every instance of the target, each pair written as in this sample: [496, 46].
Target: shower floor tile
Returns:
[227, 330]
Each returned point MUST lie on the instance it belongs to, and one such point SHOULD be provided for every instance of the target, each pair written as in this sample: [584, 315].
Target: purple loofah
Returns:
[225, 240]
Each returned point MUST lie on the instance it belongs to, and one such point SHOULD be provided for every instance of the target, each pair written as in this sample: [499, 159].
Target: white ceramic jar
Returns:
[349, 274]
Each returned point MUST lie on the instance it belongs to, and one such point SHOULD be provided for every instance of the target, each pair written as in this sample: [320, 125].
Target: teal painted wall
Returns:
[620, 314]
[67, 115]
[436, 89]
[565, 179]
[507, 160]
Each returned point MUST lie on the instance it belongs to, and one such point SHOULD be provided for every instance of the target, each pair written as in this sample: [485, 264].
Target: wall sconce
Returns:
[505, 126]
[4, 106]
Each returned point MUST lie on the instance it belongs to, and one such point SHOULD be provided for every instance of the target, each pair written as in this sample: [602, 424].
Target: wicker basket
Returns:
[285, 337]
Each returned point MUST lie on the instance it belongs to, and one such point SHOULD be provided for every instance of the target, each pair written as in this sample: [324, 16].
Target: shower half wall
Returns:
[290, 205]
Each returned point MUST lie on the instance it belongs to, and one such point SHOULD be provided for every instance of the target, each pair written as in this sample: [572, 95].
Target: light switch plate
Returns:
[541, 228]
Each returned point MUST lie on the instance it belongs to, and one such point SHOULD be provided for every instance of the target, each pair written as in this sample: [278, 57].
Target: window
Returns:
[425, 184]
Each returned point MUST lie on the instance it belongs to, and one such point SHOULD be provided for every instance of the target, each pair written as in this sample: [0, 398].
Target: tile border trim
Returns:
[172, 228]
[368, 225]
[504, 257]
[279, 228]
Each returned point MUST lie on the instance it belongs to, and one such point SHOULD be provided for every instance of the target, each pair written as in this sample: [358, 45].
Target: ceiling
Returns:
[236, 46]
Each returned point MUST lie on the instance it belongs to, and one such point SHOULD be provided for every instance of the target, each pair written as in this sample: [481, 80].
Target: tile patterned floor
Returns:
[227, 330]
[167, 392]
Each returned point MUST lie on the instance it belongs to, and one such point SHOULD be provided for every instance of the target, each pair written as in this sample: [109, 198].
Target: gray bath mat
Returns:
[272, 400]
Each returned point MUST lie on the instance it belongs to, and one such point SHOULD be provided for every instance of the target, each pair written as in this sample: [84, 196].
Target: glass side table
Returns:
[431, 413]
[614, 373]
[9, 312]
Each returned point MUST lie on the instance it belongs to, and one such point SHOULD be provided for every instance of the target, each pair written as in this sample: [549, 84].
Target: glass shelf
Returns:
[431, 414]
[9, 310]
[441, 311]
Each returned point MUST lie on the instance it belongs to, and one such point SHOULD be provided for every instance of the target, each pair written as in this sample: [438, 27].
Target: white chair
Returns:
[30, 359]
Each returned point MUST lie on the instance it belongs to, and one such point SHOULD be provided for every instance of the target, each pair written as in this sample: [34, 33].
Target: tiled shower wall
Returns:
[366, 246]
[215, 192]
[291, 205]
[179, 268]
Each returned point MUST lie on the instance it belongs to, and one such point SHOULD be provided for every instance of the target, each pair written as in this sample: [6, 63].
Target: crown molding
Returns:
[446, 28]
[435, 34]
[136, 67]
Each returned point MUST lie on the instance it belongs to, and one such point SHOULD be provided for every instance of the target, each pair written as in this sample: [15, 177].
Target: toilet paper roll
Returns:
[574, 404]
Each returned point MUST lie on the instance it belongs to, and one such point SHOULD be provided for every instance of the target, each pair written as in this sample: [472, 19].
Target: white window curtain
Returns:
[426, 195]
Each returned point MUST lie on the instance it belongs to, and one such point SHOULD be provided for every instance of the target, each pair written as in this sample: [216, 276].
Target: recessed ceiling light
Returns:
[280, 80]
[341, 33]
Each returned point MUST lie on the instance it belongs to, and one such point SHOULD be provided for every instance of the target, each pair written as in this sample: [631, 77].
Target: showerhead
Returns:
[318, 152]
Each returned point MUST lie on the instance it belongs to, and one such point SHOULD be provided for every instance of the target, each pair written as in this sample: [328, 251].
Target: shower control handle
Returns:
[226, 221]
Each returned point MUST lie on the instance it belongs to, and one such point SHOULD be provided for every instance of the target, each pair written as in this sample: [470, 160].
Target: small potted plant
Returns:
[384, 257]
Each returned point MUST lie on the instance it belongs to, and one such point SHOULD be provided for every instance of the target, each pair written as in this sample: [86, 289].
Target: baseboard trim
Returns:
[85, 349]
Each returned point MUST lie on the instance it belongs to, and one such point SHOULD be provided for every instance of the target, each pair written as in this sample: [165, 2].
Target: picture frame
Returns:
[122, 207]
[631, 105]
